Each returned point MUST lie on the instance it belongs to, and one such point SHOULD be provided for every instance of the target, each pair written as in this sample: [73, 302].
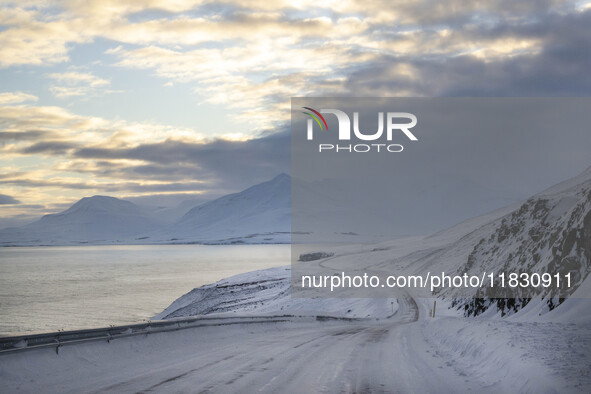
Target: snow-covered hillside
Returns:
[259, 214]
[98, 219]
[549, 233]
[165, 214]
[268, 292]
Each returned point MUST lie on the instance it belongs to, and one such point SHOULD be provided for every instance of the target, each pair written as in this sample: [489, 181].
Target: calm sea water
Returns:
[52, 288]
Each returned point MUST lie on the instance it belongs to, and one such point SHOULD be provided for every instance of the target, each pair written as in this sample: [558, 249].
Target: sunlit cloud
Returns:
[38, 41]
[60, 130]
[74, 83]
[16, 98]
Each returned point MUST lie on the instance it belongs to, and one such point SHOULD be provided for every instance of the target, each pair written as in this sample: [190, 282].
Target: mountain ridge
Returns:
[259, 214]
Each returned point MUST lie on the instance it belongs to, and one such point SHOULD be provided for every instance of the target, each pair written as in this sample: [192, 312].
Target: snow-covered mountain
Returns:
[170, 215]
[261, 213]
[97, 219]
[549, 233]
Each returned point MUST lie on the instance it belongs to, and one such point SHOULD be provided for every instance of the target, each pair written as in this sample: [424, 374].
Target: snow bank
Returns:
[518, 357]
[267, 292]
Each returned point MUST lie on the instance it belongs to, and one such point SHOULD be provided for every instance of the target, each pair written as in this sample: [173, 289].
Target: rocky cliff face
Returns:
[549, 233]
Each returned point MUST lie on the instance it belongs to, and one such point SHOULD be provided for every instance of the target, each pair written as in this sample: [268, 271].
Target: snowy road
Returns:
[319, 357]
[362, 356]
[408, 352]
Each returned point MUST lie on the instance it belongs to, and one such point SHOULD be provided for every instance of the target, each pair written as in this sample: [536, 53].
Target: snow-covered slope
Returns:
[268, 292]
[97, 219]
[168, 215]
[261, 213]
[549, 233]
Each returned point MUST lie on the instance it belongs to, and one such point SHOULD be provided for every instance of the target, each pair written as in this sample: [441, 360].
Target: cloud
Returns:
[54, 183]
[6, 200]
[109, 187]
[49, 147]
[29, 130]
[131, 169]
[172, 166]
[253, 56]
[213, 162]
[246, 26]
[556, 67]
[11, 136]
[341, 55]
[39, 40]
[231, 76]
[73, 83]
[25, 118]
[16, 98]
[75, 152]
[50, 129]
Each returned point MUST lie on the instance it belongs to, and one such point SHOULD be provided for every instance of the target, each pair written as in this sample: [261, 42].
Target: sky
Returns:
[160, 101]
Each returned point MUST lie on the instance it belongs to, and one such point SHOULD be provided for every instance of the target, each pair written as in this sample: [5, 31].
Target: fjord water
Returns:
[52, 288]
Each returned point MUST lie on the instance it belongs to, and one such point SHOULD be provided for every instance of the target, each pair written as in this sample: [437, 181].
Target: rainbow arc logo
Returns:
[315, 115]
